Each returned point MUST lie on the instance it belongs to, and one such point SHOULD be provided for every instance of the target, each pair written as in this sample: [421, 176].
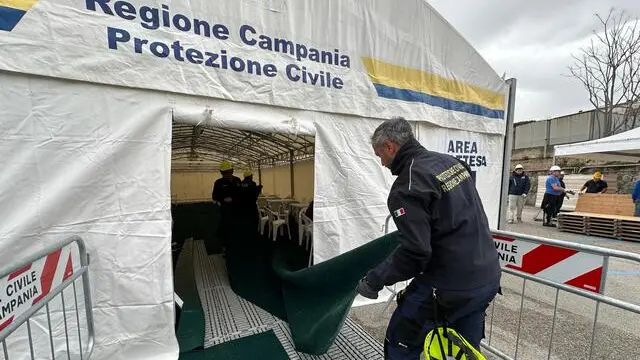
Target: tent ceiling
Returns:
[195, 143]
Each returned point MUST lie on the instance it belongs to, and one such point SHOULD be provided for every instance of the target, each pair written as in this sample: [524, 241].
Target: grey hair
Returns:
[397, 130]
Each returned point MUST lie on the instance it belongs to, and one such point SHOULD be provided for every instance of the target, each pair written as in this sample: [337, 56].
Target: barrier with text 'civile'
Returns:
[44, 314]
[574, 268]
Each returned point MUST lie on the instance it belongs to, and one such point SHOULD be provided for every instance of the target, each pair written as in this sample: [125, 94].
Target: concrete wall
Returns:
[582, 126]
[562, 130]
[571, 128]
[530, 134]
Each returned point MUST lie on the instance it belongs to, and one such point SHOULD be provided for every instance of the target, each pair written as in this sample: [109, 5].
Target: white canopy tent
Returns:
[619, 147]
[92, 92]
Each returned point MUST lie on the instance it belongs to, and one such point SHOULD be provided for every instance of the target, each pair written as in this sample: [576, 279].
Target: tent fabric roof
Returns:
[620, 147]
[196, 143]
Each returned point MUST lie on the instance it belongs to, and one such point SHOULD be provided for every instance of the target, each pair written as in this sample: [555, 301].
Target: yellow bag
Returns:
[446, 344]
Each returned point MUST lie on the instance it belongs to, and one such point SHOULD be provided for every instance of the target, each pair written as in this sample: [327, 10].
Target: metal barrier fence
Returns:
[582, 271]
[31, 286]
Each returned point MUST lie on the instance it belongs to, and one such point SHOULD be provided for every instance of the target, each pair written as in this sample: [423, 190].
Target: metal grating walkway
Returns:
[229, 317]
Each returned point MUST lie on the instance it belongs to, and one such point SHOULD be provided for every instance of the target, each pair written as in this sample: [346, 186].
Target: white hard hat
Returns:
[562, 173]
[555, 168]
[519, 166]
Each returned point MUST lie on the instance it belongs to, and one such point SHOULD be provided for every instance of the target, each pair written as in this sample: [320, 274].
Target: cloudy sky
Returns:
[533, 42]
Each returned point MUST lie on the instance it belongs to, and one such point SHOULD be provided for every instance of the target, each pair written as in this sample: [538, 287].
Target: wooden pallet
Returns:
[603, 225]
[572, 223]
[629, 229]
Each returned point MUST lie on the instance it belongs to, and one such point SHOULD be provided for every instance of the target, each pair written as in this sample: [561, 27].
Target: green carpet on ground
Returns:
[314, 301]
[260, 346]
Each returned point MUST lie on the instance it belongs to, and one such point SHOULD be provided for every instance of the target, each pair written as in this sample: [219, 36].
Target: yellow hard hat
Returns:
[597, 175]
[247, 173]
[226, 166]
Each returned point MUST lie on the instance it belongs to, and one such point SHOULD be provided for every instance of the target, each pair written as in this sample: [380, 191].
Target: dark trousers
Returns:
[414, 317]
[550, 206]
[559, 206]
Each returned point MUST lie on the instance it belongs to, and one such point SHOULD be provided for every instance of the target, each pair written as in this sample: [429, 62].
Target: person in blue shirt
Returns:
[635, 195]
[554, 192]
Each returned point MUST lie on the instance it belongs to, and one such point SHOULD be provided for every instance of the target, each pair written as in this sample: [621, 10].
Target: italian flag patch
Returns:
[398, 212]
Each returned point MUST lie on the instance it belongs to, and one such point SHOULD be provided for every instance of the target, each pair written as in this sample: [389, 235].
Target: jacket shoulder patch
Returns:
[399, 212]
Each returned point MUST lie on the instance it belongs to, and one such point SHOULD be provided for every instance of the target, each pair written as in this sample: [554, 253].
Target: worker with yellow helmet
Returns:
[595, 185]
[251, 189]
[226, 192]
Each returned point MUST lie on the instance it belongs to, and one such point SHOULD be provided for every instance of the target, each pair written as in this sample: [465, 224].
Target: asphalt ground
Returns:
[617, 334]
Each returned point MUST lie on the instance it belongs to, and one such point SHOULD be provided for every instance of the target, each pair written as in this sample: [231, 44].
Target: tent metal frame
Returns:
[196, 143]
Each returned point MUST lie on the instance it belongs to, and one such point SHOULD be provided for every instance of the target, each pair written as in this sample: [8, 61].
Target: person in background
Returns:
[445, 244]
[226, 192]
[552, 195]
[250, 188]
[519, 186]
[595, 185]
[561, 200]
[635, 195]
[561, 179]
[250, 192]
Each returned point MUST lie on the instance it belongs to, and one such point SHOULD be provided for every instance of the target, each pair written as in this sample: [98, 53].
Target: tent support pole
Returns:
[506, 156]
[293, 193]
[259, 173]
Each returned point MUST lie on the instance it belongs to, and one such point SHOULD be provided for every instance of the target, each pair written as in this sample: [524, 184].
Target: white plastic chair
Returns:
[306, 225]
[300, 227]
[275, 224]
[264, 219]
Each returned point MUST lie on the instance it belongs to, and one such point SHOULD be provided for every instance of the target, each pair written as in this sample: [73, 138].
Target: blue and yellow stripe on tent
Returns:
[12, 11]
[406, 84]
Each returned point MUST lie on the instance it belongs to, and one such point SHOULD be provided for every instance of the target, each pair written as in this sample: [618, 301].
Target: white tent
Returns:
[89, 91]
[619, 147]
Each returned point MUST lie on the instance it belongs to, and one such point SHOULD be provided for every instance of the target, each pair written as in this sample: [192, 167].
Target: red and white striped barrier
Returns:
[554, 263]
[25, 287]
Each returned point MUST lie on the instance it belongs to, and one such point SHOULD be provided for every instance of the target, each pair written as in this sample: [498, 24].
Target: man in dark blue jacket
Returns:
[446, 245]
[519, 186]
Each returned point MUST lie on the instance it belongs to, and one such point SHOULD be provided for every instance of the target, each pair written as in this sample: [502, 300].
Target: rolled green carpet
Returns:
[316, 300]
[260, 346]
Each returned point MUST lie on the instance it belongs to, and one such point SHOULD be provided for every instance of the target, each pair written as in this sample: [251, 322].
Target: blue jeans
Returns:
[414, 317]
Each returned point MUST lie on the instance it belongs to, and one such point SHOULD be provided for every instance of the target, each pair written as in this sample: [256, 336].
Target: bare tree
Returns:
[609, 69]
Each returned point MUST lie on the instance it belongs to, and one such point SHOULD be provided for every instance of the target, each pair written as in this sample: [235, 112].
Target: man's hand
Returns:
[365, 289]
[524, 196]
